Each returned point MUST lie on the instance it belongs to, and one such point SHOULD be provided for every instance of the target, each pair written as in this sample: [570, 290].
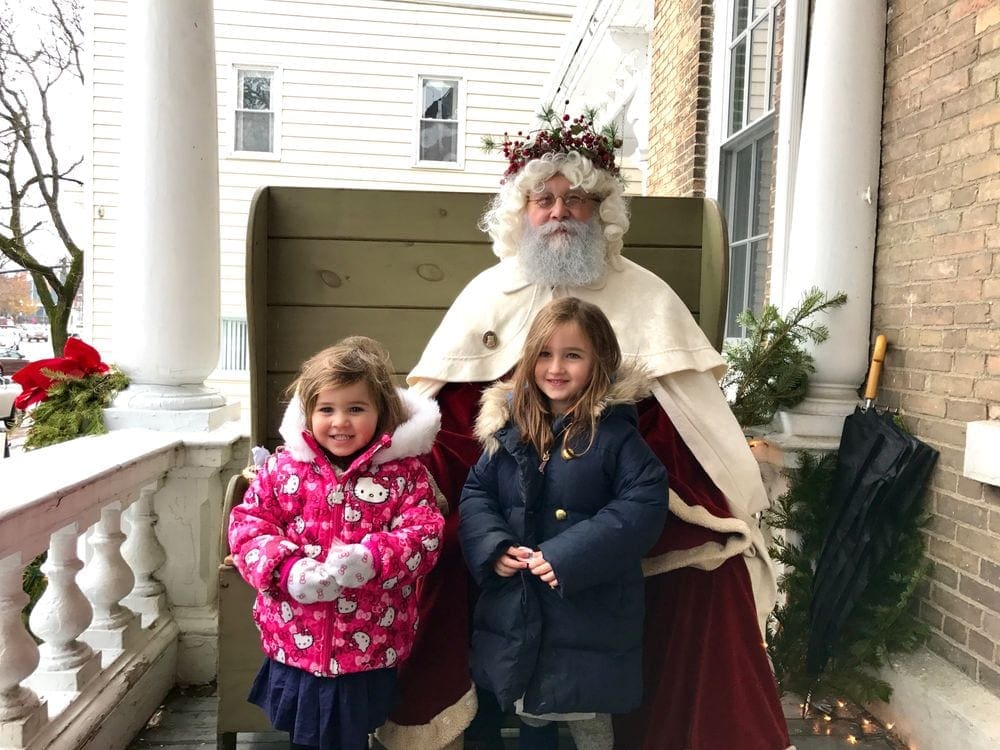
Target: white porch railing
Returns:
[109, 638]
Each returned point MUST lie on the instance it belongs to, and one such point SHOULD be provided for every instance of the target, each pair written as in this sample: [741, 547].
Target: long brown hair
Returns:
[530, 408]
[352, 360]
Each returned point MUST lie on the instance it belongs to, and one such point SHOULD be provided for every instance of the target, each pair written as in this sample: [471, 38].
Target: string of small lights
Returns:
[849, 723]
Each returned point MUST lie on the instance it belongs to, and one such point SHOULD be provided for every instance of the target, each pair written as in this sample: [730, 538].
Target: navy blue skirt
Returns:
[330, 713]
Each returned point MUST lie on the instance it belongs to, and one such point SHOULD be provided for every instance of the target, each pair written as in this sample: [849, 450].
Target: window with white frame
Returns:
[439, 130]
[254, 123]
[747, 153]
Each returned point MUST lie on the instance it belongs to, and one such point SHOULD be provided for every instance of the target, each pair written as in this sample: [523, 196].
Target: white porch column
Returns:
[166, 327]
[832, 236]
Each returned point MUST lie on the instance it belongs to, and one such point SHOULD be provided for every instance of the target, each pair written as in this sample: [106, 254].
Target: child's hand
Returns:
[540, 567]
[310, 582]
[513, 560]
[352, 564]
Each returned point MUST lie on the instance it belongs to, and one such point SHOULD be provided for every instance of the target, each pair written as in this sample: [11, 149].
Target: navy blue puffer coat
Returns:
[577, 647]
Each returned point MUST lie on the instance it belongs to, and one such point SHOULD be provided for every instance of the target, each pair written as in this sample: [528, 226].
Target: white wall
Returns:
[348, 86]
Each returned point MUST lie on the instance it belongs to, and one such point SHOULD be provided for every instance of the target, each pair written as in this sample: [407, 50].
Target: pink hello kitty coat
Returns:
[298, 506]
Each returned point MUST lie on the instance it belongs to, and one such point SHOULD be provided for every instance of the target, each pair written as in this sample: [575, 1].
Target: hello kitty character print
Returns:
[299, 505]
[367, 490]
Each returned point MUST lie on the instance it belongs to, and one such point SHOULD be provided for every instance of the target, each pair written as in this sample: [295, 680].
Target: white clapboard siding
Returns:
[348, 76]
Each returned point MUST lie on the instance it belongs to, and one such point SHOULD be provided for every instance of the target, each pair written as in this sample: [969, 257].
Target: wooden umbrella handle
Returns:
[875, 370]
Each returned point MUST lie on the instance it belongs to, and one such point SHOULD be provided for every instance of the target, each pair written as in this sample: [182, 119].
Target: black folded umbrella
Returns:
[881, 471]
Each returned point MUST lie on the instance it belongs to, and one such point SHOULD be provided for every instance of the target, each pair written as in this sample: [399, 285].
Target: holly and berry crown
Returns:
[560, 134]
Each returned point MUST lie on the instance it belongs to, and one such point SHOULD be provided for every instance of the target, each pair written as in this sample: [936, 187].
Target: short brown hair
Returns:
[352, 360]
[530, 407]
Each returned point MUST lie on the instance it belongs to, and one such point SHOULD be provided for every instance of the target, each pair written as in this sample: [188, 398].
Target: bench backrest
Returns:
[324, 263]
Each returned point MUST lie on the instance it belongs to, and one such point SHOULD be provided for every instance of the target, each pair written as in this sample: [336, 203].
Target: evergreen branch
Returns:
[73, 407]
[881, 624]
[769, 370]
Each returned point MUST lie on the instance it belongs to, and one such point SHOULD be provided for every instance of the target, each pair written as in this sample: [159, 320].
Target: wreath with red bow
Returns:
[65, 395]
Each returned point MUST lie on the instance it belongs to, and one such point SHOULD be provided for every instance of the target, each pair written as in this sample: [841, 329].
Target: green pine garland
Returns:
[73, 407]
[882, 623]
[769, 369]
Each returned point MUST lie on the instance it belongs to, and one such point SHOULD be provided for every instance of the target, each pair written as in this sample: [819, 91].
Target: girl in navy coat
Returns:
[554, 521]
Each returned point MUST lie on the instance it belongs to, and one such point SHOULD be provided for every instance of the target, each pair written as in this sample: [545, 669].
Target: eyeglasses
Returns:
[572, 201]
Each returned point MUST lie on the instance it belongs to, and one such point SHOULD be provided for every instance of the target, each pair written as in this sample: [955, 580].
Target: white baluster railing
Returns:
[106, 580]
[144, 554]
[21, 712]
[58, 618]
[92, 647]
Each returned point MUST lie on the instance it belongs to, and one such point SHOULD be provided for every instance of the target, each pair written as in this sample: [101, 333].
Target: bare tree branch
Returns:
[33, 68]
[71, 27]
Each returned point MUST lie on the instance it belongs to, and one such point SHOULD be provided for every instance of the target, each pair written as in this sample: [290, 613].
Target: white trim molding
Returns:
[793, 65]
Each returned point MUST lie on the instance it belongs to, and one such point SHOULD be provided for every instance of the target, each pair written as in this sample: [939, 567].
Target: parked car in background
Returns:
[10, 336]
[38, 332]
[9, 390]
[11, 360]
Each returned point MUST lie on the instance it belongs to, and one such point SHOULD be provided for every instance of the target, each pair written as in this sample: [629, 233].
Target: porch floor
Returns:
[187, 720]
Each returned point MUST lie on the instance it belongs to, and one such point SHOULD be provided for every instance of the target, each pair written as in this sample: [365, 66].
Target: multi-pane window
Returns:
[254, 128]
[439, 129]
[747, 154]
[746, 185]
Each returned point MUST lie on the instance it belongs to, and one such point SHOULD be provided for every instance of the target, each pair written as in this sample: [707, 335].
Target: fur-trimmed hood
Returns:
[414, 437]
[631, 384]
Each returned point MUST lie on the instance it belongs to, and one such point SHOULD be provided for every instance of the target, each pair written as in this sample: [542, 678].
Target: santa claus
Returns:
[557, 226]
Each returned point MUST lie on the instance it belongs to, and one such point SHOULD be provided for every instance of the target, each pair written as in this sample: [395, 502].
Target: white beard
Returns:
[574, 257]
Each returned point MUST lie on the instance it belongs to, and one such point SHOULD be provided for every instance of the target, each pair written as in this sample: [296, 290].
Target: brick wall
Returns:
[779, 57]
[937, 295]
[680, 76]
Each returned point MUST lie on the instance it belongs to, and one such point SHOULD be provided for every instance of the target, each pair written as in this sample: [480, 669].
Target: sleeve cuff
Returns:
[282, 571]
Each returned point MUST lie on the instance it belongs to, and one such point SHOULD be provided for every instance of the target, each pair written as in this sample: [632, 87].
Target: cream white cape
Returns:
[657, 331]
[652, 323]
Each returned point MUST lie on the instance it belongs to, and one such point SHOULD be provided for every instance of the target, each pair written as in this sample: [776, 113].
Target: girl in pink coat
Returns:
[334, 531]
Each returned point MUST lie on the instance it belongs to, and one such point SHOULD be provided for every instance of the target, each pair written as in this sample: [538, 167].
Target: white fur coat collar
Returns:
[412, 438]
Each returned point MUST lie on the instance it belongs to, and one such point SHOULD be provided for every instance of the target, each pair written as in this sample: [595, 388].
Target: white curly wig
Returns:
[504, 218]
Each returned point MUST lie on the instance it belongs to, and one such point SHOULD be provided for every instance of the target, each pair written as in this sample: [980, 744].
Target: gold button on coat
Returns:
[560, 514]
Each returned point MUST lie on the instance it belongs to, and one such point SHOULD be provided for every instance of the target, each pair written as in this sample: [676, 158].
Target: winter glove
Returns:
[310, 582]
[352, 564]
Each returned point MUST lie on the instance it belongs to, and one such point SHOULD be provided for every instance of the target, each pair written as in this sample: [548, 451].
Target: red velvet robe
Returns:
[708, 683]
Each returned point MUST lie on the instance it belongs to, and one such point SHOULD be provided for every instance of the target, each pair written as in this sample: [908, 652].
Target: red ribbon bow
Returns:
[78, 361]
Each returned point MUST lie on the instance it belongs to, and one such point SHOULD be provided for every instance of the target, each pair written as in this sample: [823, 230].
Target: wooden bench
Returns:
[324, 263]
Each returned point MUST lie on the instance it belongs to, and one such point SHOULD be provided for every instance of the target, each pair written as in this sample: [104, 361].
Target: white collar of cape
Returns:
[631, 384]
[414, 437]
[653, 324]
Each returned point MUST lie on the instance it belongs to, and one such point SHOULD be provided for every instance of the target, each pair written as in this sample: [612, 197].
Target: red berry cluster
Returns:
[562, 136]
